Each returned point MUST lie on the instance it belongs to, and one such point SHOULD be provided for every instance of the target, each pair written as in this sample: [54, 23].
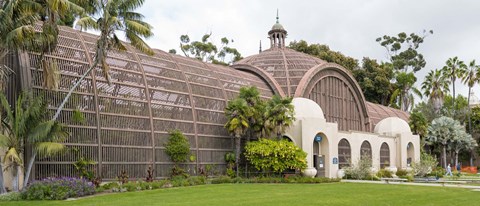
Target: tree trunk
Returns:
[444, 156]
[2, 183]
[237, 152]
[469, 111]
[29, 169]
[456, 159]
[471, 158]
[59, 109]
[453, 85]
[16, 178]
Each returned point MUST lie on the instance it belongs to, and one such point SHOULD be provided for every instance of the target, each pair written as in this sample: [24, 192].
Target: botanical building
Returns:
[127, 121]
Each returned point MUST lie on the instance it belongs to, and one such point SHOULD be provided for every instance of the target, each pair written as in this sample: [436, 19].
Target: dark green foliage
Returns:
[177, 147]
[207, 51]
[375, 80]
[78, 117]
[418, 123]
[292, 179]
[402, 50]
[323, 52]
[11, 196]
[275, 155]
[384, 173]
[58, 189]
[401, 173]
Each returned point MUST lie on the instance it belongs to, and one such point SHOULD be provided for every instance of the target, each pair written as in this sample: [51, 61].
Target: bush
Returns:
[384, 173]
[58, 189]
[361, 170]
[294, 179]
[11, 196]
[222, 180]
[275, 156]
[438, 172]
[425, 166]
[177, 147]
[401, 173]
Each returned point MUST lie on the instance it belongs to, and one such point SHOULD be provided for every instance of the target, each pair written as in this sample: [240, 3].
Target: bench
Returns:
[388, 180]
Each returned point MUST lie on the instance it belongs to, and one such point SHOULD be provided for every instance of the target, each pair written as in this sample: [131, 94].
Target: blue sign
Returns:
[318, 138]
[335, 161]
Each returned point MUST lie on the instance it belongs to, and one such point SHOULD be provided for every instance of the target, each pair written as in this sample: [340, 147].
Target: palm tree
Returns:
[114, 16]
[280, 114]
[51, 12]
[434, 87]
[454, 69]
[403, 96]
[237, 112]
[471, 78]
[442, 132]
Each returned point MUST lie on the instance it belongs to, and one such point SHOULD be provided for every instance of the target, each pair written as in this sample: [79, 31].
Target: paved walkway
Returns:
[475, 188]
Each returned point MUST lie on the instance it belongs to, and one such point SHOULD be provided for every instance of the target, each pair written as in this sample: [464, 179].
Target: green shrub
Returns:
[110, 185]
[401, 173]
[58, 189]
[384, 173]
[361, 170]
[222, 180]
[275, 156]
[438, 172]
[177, 147]
[11, 196]
[424, 167]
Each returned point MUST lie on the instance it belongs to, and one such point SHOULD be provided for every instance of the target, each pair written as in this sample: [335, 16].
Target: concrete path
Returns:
[475, 188]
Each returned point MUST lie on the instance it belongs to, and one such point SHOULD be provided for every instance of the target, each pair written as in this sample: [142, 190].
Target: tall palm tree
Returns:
[471, 78]
[113, 16]
[24, 125]
[280, 114]
[434, 87]
[403, 95]
[454, 69]
[237, 112]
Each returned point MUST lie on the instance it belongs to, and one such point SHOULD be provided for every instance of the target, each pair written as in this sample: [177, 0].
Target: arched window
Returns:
[344, 153]
[384, 156]
[366, 149]
[410, 153]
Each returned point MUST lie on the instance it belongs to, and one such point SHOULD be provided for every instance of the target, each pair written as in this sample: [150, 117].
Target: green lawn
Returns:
[281, 194]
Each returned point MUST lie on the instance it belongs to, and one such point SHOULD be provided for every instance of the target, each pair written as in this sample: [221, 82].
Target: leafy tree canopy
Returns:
[207, 51]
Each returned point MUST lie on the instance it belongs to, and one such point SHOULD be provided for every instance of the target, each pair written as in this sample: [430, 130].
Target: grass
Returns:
[280, 194]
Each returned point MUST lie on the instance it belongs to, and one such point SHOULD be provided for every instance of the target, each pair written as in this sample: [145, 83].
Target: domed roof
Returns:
[277, 26]
[307, 108]
[285, 65]
[392, 126]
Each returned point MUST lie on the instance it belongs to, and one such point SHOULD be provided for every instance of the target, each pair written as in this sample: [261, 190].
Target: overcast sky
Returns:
[348, 26]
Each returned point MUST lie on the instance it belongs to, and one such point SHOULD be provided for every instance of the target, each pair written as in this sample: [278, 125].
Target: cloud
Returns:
[349, 26]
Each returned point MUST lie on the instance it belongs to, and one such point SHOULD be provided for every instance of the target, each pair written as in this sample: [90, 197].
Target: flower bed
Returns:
[58, 189]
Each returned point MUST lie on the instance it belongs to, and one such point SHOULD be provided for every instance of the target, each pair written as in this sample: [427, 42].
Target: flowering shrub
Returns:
[58, 189]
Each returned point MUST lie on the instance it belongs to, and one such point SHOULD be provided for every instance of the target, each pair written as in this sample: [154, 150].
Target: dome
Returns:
[307, 108]
[285, 65]
[392, 125]
[277, 26]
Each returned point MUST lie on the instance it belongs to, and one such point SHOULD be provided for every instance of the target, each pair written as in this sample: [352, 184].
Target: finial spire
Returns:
[277, 16]
[260, 49]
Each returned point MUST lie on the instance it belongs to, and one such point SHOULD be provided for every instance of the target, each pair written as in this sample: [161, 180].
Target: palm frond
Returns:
[49, 148]
[87, 22]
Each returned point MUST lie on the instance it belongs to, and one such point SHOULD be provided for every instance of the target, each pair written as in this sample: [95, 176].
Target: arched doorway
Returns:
[320, 155]
[384, 155]
[344, 153]
[410, 154]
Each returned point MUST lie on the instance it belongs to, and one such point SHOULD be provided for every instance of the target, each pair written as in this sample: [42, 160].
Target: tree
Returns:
[462, 141]
[457, 110]
[323, 52]
[178, 149]
[443, 131]
[454, 69]
[471, 78]
[113, 16]
[25, 125]
[402, 50]
[403, 94]
[255, 118]
[207, 51]
[375, 80]
[237, 112]
[435, 86]
[418, 123]
[279, 114]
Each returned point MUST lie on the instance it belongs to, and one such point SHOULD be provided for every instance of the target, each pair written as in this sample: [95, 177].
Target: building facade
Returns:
[127, 121]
